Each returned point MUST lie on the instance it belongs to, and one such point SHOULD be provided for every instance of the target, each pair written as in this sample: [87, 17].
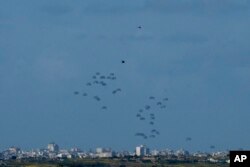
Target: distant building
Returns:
[75, 150]
[182, 152]
[14, 150]
[141, 150]
[155, 152]
[52, 147]
[104, 152]
[99, 150]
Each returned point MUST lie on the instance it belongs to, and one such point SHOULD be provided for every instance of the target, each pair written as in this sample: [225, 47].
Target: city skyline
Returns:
[193, 53]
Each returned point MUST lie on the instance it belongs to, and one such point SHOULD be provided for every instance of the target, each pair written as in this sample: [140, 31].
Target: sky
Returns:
[195, 52]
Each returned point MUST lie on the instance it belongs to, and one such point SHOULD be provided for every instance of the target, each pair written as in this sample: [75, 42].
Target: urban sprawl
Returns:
[141, 153]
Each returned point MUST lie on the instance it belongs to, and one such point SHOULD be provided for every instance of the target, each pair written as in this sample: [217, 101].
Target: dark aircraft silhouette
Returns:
[123, 61]
[139, 27]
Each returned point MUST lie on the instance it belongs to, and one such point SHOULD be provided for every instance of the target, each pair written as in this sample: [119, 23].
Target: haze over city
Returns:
[195, 53]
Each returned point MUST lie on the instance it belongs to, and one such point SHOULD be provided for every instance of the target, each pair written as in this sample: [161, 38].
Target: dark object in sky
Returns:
[147, 107]
[153, 130]
[152, 116]
[151, 123]
[97, 98]
[104, 107]
[113, 78]
[188, 138]
[117, 90]
[103, 83]
[76, 92]
[95, 82]
[112, 74]
[84, 94]
[165, 99]
[151, 97]
[88, 84]
[123, 61]
[138, 115]
[212, 147]
[97, 73]
[139, 27]
[158, 103]
[142, 118]
[140, 134]
[162, 107]
[152, 136]
[102, 77]
[141, 110]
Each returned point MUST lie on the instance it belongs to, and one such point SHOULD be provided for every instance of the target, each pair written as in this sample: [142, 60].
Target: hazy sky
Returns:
[195, 52]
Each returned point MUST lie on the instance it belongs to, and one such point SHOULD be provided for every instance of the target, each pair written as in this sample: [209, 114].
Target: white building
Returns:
[141, 150]
[181, 152]
[104, 152]
[52, 147]
[14, 150]
[99, 150]
[155, 152]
